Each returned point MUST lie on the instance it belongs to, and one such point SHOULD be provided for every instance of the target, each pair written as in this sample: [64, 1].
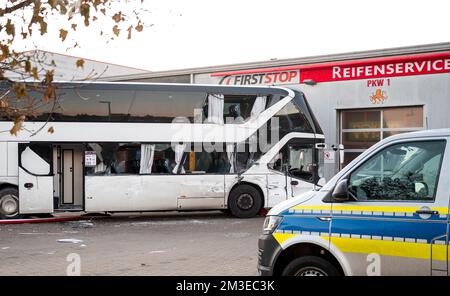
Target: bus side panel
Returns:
[131, 193]
[257, 180]
[13, 159]
[9, 166]
[37, 199]
[3, 159]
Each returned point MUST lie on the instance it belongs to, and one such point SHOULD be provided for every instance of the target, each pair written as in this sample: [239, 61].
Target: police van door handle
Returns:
[322, 218]
[427, 212]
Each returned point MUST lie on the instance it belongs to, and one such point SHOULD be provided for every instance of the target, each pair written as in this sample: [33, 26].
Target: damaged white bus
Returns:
[123, 147]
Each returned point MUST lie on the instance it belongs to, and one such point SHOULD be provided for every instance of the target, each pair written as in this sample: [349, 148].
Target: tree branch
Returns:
[13, 8]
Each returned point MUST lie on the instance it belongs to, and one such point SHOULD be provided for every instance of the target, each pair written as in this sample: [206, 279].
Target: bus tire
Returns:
[9, 203]
[310, 266]
[245, 201]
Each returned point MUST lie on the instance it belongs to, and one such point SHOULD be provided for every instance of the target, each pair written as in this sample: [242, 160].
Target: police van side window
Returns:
[406, 171]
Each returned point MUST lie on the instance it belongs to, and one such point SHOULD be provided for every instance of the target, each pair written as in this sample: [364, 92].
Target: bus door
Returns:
[277, 189]
[277, 180]
[68, 168]
[301, 167]
[35, 178]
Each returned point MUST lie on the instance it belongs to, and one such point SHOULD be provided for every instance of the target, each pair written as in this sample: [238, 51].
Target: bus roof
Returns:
[211, 88]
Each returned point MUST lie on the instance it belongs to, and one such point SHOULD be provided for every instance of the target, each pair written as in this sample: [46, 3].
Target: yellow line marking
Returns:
[381, 247]
[389, 248]
[282, 237]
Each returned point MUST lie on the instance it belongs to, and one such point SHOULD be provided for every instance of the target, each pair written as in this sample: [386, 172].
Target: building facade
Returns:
[358, 98]
[67, 67]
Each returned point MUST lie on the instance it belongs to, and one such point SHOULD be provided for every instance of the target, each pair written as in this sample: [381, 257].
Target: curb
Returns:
[39, 220]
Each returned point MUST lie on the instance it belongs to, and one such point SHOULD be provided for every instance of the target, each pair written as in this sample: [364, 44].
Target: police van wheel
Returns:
[310, 266]
[9, 203]
[245, 201]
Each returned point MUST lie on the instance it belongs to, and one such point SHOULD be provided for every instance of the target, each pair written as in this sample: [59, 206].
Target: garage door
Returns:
[362, 128]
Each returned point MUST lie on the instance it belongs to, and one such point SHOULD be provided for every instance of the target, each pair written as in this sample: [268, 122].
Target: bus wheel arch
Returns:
[245, 200]
[305, 250]
[9, 201]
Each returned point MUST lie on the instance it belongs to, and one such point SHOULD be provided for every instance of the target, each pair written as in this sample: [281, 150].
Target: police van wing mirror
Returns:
[341, 193]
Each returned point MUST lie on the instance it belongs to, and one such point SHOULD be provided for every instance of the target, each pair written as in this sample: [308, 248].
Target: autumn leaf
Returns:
[97, 3]
[43, 26]
[117, 17]
[20, 89]
[4, 104]
[85, 11]
[18, 124]
[116, 30]
[51, 130]
[34, 73]
[62, 7]
[139, 27]
[49, 93]
[49, 76]
[5, 52]
[80, 63]
[27, 66]
[53, 3]
[63, 34]
[74, 27]
[10, 28]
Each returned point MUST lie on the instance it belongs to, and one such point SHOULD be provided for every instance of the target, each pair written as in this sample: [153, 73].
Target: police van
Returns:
[385, 213]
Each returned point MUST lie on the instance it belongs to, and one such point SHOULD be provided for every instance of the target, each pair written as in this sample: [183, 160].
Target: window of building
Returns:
[360, 129]
[406, 171]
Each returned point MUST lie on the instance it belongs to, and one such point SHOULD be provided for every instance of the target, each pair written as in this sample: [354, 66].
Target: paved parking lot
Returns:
[206, 243]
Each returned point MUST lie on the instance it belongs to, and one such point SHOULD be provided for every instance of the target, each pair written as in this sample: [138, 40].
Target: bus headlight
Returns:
[271, 223]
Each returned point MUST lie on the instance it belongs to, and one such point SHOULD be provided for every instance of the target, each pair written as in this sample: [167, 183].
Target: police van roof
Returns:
[444, 132]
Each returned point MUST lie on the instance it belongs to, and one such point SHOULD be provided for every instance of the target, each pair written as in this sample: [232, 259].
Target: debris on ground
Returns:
[82, 224]
[70, 240]
[157, 252]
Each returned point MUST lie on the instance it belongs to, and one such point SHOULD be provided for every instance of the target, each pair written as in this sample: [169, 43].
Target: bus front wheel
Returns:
[245, 201]
[9, 203]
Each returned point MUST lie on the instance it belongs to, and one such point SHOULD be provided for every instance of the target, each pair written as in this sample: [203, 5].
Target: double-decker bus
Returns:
[122, 147]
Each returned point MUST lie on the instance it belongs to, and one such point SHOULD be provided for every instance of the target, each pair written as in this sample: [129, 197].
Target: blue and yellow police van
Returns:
[385, 213]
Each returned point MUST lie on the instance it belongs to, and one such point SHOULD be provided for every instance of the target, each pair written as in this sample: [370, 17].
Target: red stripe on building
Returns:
[419, 64]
